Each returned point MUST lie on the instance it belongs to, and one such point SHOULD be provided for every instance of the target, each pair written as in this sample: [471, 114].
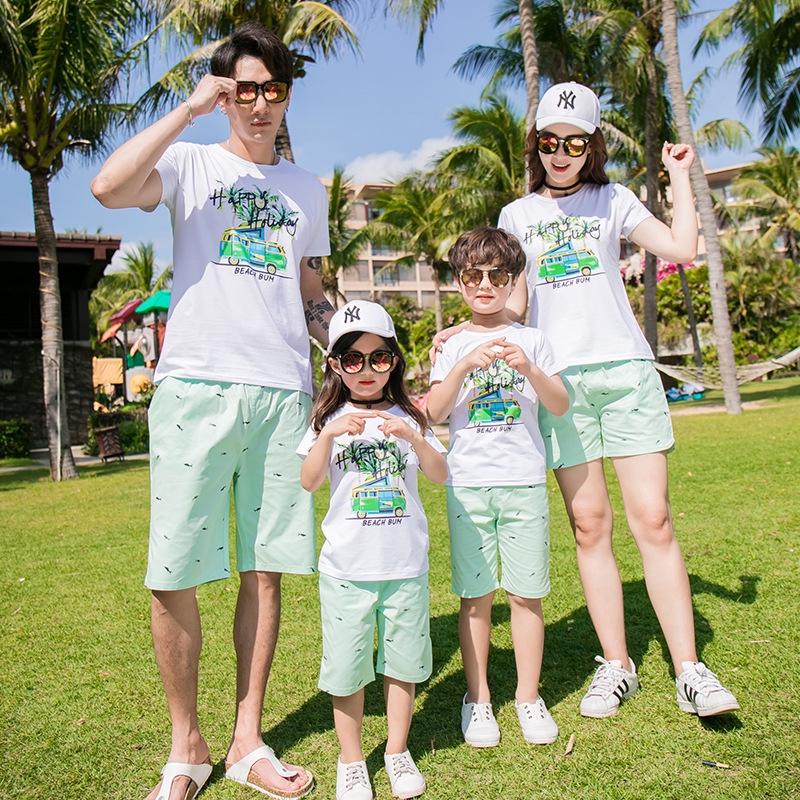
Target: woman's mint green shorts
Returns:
[617, 408]
[206, 438]
[351, 611]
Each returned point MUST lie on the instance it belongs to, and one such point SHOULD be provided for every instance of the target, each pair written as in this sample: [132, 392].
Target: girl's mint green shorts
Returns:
[351, 611]
[494, 527]
[617, 408]
[206, 439]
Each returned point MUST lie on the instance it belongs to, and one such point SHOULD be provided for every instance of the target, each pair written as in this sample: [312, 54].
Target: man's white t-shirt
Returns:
[494, 430]
[576, 292]
[375, 528]
[240, 230]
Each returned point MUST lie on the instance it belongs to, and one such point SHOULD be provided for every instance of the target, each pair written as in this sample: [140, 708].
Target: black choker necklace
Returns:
[563, 189]
[368, 403]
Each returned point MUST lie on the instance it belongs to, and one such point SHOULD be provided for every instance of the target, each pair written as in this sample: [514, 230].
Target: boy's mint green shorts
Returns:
[505, 524]
[351, 610]
[617, 408]
[204, 439]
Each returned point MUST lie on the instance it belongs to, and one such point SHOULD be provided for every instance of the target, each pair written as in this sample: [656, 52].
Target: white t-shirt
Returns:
[577, 295]
[494, 431]
[240, 230]
[375, 528]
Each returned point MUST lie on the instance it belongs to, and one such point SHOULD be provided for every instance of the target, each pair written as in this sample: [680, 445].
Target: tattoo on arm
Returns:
[316, 312]
[315, 263]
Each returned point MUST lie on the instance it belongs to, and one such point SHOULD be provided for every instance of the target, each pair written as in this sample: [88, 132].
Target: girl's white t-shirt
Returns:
[240, 231]
[375, 528]
[494, 431]
[575, 288]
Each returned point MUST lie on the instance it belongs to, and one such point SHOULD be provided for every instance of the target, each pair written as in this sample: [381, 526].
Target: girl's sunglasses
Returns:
[353, 362]
[273, 91]
[473, 276]
[574, 146]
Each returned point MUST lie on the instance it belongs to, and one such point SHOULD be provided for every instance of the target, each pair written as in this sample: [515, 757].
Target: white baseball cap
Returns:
[571, 103]
[363, 316]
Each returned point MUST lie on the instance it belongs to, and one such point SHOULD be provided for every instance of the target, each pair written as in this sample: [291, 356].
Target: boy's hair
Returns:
[593, 171]
[254, 39]
[334, 394]
[487, 247]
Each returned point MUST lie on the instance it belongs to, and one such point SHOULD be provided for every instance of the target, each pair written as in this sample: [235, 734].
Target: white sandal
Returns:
[240, 772]
[198, 775]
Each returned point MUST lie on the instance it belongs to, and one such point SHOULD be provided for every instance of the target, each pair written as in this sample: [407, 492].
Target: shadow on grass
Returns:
[570, 644]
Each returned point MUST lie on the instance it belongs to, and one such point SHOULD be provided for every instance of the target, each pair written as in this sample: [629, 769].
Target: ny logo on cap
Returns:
[567, 99]
[352, 314]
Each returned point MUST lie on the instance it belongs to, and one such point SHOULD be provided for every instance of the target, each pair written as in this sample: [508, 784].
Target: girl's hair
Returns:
[593, 171]
[334, 394]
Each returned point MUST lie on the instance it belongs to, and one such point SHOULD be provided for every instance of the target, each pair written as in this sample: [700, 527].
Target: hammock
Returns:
[710, 377]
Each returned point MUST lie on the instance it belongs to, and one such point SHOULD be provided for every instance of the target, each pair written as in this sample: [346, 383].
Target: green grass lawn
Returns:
[82, 714]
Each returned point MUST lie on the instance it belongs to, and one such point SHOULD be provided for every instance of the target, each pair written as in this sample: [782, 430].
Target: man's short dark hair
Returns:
[255, 40]
[487, 247]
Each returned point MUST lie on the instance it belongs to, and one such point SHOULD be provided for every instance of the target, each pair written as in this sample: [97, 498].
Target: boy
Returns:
[490, 377]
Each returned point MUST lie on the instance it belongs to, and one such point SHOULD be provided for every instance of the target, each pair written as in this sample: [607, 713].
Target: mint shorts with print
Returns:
[207, 438]
[617, 408]
[352, 610]
[499, 538]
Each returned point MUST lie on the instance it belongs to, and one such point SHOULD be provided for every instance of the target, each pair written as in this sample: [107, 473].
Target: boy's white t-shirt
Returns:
[494, 430]
[575, 288]
[240, 231]
[375, 528]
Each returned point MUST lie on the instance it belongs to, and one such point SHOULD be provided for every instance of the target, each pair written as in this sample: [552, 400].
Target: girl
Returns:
[367, 435]
[570, 226]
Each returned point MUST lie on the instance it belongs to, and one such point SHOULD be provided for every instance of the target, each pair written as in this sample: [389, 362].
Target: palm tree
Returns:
[346, 242]
[770, 189]
[716, 274]
[770, 74]
[59, 68]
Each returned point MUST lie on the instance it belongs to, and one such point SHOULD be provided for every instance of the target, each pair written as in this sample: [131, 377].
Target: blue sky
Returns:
[379, 114]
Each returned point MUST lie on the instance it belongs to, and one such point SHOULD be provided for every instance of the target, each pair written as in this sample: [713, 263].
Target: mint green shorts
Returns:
[351, 610]
[617, 408]
[496, 526]
[206, 438]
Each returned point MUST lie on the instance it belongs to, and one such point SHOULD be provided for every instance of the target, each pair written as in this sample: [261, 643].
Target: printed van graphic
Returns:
[492, 407]
[564, 260]
[249, 245]
[378, 497]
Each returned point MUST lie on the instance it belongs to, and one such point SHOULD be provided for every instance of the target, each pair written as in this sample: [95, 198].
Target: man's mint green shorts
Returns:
[505, 524]
[351, 610]
[204, 439]
[617, 408]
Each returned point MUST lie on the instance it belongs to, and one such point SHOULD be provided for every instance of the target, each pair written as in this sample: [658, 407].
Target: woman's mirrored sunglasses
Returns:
[473, 276]
[380, 361]
[273, 91]
[574, 146]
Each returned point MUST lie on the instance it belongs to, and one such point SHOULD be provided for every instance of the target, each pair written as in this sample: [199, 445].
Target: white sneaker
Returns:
[352, 781]
[538, 727]
[701, 693]
[478, 724]
[406, 779]
[611, 684]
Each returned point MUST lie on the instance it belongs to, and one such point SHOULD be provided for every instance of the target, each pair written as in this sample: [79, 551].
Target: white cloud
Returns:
[391, 165]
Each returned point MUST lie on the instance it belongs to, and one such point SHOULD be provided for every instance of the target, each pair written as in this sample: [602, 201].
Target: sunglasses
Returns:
[273, 91]
[574, 146]
[473, 276]
[352, 362]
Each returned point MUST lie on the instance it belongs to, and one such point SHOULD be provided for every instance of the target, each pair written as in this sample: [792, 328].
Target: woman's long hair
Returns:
[334, 394]
[593, 171]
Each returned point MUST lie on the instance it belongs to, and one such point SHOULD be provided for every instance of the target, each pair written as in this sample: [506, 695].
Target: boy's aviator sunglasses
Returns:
[472, 276]
[273, 91]
[380, 361]
[574, 146]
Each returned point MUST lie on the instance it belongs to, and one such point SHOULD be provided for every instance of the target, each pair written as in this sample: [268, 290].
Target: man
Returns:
[234, 388]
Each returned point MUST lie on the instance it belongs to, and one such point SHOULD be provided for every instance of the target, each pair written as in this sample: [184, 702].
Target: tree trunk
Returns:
[283, 144]
[652, 147]
[437, 296]
[62, 465]
[687, 299]
[530, 58]
[716, 275]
